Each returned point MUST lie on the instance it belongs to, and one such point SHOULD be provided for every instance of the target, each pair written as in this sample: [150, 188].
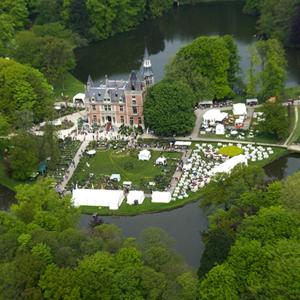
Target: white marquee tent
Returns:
[91, 197]
[161, 161]
[144, 155]
[133, 196]
[220, 129]
[214, 115]
[229, 164]
[79, 97]
[239, 109]
[161, 197]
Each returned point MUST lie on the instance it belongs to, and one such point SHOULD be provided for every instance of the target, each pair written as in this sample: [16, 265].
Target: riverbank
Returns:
[149, 208]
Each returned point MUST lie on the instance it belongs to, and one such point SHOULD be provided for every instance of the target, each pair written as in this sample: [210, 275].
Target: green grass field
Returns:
[126, 163]
[69, 87]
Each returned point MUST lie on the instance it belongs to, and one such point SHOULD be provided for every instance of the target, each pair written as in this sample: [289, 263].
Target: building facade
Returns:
[117, 102]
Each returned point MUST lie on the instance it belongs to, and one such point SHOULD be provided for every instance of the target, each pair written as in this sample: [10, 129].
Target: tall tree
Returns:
[168, 108]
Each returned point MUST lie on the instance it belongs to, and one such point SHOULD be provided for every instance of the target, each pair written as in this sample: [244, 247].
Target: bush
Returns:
[231, 151]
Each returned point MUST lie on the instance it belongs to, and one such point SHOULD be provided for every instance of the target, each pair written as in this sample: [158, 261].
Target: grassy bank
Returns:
[70, 86]
[296, 134]
[146, 208]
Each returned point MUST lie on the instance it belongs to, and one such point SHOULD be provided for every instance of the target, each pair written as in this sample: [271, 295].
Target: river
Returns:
[117, 56]
[184, 224]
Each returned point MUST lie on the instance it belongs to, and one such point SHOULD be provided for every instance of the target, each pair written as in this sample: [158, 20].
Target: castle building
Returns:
[117, 102]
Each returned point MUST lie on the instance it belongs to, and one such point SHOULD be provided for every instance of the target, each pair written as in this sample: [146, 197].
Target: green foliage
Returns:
[168, 108]
[49, 49]
[231, 151]
[209, 65]
[275, 120]
[276, 18]
[290, 193]
[23, 156]
[23, 88]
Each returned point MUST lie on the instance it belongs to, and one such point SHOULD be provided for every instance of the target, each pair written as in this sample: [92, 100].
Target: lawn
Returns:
[69, 87]
[125, 163]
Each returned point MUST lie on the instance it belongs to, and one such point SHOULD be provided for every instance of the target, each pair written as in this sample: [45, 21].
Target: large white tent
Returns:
[214, 115]
[91, 197]
[133, 196]
[239, 109]
[229, 164]
[144, 155]
[161, 197]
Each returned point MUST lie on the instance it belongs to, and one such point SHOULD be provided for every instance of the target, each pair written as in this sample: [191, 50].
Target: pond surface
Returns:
[117, 56]
[183, 224]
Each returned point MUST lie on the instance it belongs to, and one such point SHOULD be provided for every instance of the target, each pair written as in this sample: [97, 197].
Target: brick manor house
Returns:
[117, 102]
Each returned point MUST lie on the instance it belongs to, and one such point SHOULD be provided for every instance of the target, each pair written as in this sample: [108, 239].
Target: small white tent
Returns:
[220, 129]
[229, 164]
[161, 197]
[133, 196]
[79, 98]
[239, 109]
[91, 197]
[116, 177]
[144, 155]
[161, 161]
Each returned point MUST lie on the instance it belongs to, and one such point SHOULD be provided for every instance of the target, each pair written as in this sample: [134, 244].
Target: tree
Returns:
[49, 147]
[168, 108]
[23, 88]
[290, 193]
[23, 157]
[209, 65]
[7, 27]
[275, 122]
[156, 8]
[52, 55]
[4, 125]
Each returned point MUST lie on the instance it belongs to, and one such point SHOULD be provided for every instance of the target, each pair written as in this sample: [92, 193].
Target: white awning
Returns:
[214, 115]
[239, 109]
[79, 97]
[144, 155]
[229, 164]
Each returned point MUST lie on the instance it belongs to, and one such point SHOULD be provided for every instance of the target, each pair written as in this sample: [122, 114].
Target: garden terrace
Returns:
[95, 171]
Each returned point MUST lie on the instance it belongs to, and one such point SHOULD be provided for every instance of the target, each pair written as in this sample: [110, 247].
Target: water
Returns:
[117, 56]
[283, 166]
[184, 224]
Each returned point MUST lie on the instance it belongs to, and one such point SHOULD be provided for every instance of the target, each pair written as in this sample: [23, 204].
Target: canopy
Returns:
[214, 115]
[239, 109]
[229, 164]
[127, 183]
[161, 161]
[91, 152]
[91, 197]
[161, 197]
[183, 143]
[134, 196]
[144, 155]
[220, 129]
[115, 177]
[56, 122]
[79, 97]
[187, 167]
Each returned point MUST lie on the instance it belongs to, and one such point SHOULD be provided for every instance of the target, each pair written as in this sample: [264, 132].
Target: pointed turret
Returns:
[133, 80]
[147, 72]
[90, 82]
